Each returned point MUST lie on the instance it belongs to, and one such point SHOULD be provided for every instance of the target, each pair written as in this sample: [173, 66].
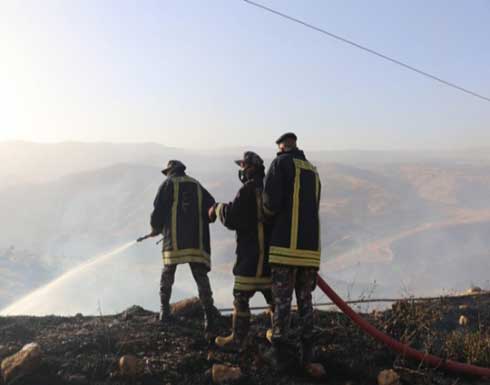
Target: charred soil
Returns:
[86, 350]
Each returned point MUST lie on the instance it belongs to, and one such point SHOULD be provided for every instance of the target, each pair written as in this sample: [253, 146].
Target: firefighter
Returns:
[252, 272]
[292, 198]
[181, 215]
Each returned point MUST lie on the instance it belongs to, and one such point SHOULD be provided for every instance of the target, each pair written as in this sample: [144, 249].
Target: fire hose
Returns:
[397, 346]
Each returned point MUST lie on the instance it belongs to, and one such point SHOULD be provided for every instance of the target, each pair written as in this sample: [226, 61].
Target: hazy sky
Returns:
[222, 73]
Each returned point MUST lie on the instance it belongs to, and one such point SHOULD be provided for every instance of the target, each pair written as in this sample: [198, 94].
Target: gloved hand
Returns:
[154, 232]
[212, 213]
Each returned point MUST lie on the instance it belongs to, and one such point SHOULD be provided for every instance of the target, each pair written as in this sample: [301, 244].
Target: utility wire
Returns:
[369, 50]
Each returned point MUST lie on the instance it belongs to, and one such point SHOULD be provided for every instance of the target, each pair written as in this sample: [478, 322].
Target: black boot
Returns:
[311, 368]
[308, 352]
[274, 357]
[165, 316]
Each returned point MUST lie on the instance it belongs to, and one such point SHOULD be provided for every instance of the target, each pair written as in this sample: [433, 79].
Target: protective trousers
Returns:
[285, 280]
[241, 302]
[200, 274]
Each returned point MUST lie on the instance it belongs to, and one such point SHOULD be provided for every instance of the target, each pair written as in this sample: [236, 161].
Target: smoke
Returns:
[39, 301]
[113, 281]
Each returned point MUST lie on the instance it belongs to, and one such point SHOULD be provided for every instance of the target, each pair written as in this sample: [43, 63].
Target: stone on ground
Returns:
[22, 363]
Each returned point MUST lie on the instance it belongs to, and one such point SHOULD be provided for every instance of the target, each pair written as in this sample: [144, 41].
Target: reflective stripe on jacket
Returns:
[181, 215]
[244, 215]
[292, 198]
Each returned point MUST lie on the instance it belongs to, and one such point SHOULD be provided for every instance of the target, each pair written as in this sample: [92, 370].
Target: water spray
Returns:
[31, 300]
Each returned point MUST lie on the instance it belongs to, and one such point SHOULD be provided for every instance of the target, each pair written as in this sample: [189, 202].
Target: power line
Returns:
[369, 50]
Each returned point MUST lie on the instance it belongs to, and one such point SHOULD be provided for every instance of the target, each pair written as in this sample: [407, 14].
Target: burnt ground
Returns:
[85, 350]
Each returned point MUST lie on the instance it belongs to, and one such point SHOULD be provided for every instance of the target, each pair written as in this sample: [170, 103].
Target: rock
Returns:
[134, 311]
[187, 307]
[24, 362]
[474, 289]
[388, 377]
[131, 366]
[223, 374]
[463, 320]
[316, 371]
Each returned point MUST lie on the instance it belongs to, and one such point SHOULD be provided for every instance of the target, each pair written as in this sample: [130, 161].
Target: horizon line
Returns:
[231, 147]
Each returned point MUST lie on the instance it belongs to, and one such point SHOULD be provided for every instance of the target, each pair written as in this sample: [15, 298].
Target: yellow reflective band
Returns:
[251, 286]
[250, 280]
[188, 259]
[293, 261]
[260, 229]
[186, 256]
[183, 252]
[252, 283]
[219, 209]
[299, 166]
[295, 252]
[305, 165]
[243, 287]
[295, 210]
[175, 205]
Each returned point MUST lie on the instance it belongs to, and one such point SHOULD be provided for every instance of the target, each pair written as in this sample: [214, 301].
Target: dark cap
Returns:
[286, 136]
[250, 158]
[173, 165]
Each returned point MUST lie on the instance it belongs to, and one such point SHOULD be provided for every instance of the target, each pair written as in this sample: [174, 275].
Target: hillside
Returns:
[81, 350]
[392, 224]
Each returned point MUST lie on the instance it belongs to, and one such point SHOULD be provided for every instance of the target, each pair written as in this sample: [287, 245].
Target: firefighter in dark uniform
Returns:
[252, 272]
[181, 215]
[292, 198]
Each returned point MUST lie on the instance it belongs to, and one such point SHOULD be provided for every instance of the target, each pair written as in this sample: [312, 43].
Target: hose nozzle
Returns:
[141, 239]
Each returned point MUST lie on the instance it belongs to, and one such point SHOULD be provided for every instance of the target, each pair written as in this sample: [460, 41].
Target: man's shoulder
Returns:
[182, 179]
[166, 182]
[282, 157]
[246, 189]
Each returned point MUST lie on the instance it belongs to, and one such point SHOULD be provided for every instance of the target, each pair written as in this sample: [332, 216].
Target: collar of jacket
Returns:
[295, 153]
[257, 181]
[176, 173]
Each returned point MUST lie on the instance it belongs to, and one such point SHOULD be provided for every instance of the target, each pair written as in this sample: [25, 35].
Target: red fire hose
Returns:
[397, 346]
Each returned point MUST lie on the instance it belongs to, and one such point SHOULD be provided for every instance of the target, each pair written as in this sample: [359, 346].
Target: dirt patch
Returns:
[86, 350]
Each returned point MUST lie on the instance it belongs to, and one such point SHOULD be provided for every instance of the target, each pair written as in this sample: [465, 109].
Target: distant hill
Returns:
[376, 218]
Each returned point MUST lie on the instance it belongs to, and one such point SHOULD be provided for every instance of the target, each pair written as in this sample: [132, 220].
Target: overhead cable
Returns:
[369, 50]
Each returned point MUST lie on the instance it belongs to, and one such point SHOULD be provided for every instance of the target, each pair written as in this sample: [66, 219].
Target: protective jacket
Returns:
[245, 216]
[181, 215]
[292, 199]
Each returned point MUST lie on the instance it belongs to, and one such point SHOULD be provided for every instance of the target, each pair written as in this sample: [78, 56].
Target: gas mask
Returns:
[243, 175]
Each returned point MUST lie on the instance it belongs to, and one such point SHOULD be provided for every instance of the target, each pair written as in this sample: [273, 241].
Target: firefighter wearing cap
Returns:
[252, 272]
[181, 215]
[292, 198]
